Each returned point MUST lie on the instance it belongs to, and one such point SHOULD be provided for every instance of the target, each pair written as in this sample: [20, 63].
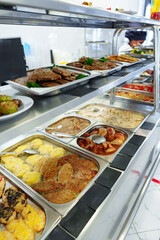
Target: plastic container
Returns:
[155, 10]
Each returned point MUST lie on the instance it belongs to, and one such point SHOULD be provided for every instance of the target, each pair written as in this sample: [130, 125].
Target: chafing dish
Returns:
[108, 158]
[52, 217]
[23, 139]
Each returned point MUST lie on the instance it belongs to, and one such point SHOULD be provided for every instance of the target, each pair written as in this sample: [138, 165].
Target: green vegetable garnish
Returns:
[79, 76]
[34, 84]
[102, 59]
[89, 61]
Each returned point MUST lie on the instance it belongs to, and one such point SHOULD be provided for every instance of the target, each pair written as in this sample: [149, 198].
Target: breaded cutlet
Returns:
[44, 187]
[65, 174]
[60, 197]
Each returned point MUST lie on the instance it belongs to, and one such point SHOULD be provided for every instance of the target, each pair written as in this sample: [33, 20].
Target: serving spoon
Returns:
[28, 151]
[50, 128]
[96, 138]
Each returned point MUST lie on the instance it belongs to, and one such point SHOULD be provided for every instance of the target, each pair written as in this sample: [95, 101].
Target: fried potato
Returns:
[5, 235]
[57, 152]
[20, 169]
[31, 160]
[14, 198]
[36, 143]
[34, 218]
[20, 230]
[11, 162]
[31, 178]
[45, 149]
[65, 174]
[22, 147]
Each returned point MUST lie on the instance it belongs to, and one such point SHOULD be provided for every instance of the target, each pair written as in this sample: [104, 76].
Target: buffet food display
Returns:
[70, 125]
[48, 77]
[114, 139]
[123, 58]
[93, 64]
[110, 115]
[20, 217]
[57, 174]
[135, 96]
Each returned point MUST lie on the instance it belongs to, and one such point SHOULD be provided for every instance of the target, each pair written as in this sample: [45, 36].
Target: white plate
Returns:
[27, 103]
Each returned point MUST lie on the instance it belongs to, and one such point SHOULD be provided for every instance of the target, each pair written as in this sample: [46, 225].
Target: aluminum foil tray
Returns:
[52, 217]
[51, 91]
[63, 209]
[107, 158]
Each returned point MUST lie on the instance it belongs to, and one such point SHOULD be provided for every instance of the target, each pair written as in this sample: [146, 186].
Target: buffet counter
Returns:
[109, 201]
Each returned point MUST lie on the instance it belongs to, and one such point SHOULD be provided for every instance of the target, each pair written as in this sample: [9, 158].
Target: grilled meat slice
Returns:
[49, 84]
[76, 64]
[83, 59]
[70, 79]
[45, 74]
[23, 80]
[63, 72]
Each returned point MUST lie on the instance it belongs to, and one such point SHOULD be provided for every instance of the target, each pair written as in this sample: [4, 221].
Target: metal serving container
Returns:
[145, 115]
[128, 64]
[119, 89]
[103, 73]
[138, 83]
[52, 217]
[136, 55]
[41, 129]
[141, 79]
[108, 158]
[51, 91]
[63, 209]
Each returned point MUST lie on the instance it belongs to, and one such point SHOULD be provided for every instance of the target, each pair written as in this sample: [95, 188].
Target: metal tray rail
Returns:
[52, 217]
[107, 158]
[62, 209]
[65, 140]
[51, 91]
[100, 102]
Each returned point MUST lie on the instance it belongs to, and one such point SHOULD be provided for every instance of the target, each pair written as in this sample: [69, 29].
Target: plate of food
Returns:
[102, 65]
[13, 106]
[51, 80]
